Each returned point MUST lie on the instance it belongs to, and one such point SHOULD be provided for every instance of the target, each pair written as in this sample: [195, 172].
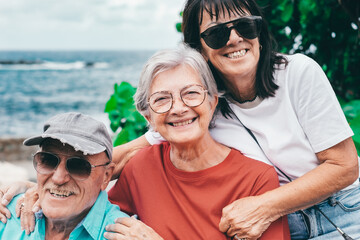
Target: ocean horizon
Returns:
[35, 85]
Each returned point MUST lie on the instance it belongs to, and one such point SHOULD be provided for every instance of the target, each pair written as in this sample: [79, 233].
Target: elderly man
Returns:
[73, 168]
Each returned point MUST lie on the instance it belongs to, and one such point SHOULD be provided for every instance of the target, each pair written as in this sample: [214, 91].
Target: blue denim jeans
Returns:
[343, 209]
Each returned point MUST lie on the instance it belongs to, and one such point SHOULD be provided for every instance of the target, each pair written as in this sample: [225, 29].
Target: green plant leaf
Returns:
[122, 137]
[352, 109]
[110, 104]
[178, 27]
[287, 12]
[122, 114]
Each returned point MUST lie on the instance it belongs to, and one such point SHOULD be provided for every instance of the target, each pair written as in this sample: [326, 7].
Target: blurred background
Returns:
[86, 56]
[60, 56]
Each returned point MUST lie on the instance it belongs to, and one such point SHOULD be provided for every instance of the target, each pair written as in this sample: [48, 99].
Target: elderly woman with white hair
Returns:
[179, 188]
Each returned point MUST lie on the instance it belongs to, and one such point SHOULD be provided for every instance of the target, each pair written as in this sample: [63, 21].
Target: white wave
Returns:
[47, 65]
[101, 65]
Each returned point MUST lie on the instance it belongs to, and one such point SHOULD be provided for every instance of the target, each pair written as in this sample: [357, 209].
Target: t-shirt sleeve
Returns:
[154, 137]
[268, 180]
[120, 193]
[279, 229]
[315, 103]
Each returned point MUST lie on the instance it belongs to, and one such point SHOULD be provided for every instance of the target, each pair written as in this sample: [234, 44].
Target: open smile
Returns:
[183, 123]
[60, 193]
[237, 54]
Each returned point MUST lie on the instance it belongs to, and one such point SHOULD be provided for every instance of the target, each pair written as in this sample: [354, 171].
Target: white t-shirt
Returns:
[303, 118]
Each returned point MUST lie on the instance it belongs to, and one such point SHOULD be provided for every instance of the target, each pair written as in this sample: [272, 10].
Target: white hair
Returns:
[169, 59]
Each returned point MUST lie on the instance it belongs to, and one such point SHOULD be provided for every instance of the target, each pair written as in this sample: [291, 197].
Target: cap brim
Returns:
[85, 146]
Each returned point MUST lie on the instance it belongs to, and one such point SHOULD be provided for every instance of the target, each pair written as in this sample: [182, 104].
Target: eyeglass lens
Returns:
[217, 36]
[46, 163]
[192, 96]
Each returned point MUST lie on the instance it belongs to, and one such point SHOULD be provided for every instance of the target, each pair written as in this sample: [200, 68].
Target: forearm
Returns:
[123, 153]
[312, 188]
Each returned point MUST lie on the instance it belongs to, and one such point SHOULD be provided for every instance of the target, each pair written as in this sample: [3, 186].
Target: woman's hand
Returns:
[129, 229]
[26, 207]
[7, 193]
[246, 217]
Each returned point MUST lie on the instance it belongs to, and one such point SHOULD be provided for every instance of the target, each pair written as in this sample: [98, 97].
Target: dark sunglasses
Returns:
[217, 36]
[78, 168]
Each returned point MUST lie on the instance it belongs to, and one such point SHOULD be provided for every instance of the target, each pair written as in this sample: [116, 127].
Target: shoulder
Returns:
[298, 62]
[113, 212]
[12, 205]
[13, 224]
[148, 153]
[252, 166]
[146, 159]
[259, 175]
[110, 211]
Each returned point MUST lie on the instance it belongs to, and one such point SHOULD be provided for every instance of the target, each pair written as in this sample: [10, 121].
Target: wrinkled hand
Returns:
[25, 208]
[246, 217]
[7, 193]
[130, 228]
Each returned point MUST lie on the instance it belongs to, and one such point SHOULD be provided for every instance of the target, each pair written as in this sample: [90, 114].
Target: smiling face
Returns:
[63, 198]
[238, 59]
[181, 124]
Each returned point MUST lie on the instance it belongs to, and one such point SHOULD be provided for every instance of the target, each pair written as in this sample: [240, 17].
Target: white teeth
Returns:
[183, 123]
[60, 193]
[237, 54]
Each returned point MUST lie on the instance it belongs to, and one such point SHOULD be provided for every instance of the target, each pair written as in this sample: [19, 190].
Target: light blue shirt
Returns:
[91, 227]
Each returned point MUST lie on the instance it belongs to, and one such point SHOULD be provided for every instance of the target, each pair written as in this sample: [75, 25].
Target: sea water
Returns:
[35, 85]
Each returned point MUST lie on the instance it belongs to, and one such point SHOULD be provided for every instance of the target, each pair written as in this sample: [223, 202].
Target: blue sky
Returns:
[89, 24]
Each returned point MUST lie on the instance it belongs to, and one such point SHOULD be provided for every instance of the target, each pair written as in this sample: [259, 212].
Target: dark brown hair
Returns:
[192, 19]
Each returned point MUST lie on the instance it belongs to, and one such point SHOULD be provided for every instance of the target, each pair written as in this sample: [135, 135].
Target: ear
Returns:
[107, 176]
[214, 103]
[152, 124]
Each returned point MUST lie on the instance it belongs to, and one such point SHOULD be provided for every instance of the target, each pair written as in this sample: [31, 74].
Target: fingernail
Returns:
[3, 220]
[35, 209]
[4, 202]
[8, 215]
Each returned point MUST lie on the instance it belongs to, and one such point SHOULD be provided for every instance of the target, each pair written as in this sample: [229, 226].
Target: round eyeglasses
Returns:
[191, 95]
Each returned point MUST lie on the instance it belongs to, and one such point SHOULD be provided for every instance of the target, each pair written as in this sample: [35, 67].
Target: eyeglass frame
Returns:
[205, 91]
[66, 161]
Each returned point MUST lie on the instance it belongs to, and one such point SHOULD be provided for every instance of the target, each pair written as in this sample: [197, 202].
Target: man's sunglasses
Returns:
[217, 36]
[78, 168]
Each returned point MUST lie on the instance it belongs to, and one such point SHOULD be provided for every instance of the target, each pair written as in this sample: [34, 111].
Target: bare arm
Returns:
[338, 168]
[123, 153]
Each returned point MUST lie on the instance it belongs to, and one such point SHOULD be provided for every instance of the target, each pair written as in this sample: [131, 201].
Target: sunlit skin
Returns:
[238, 72]
[66, 201]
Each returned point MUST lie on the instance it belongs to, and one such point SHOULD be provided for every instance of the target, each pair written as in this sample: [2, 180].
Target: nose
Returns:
[234, 37]
[60, 175]
[178, 106]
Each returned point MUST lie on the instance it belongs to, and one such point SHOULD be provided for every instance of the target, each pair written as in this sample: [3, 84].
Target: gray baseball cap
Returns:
[80, 131]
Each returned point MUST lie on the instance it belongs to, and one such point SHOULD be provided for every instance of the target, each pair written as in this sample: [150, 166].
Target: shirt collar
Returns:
[91, 222]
